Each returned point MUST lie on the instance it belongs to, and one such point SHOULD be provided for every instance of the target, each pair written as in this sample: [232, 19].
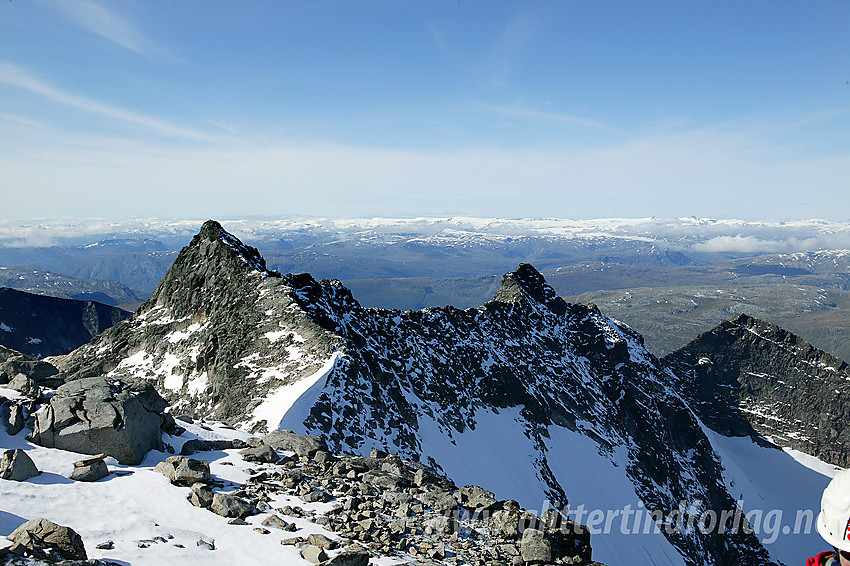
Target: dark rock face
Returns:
[221, 333]
[747, 377]
[116, 417]
[42, 326]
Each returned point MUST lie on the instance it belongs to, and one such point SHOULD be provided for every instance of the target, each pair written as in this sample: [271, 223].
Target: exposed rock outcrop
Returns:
[13, 363]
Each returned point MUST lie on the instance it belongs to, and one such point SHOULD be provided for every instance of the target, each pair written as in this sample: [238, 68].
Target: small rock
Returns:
[184, 471]
[16, 465]
[321, 541]
[535, 548]
[228, 505]
[90, 469]
[207, 544]
[262, 531]
[316, 496]
[314, 554]
[108, 545]
[238, 521]
[275, 522]
[294, 541]
[201, 496]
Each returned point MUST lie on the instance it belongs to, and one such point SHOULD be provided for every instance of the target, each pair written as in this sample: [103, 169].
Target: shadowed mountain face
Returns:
[748, 377]
[225, 337]
[41, 326]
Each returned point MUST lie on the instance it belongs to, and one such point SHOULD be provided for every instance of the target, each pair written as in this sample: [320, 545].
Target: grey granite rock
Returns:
[118, 417]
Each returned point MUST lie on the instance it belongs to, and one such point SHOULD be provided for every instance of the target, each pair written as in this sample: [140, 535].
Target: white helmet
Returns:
[834, 520]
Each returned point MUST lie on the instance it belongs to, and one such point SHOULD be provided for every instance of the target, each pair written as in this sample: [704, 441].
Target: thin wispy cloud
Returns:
[518, 111]
[19, 77]
[504, 56]
[96, 18]
[493, 67]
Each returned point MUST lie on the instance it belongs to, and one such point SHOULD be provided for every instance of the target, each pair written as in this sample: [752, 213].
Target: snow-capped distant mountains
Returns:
[40, 282]
[535, 397]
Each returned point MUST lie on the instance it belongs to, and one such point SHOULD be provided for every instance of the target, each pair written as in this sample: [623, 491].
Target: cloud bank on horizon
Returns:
[113, 109]
[695, 234]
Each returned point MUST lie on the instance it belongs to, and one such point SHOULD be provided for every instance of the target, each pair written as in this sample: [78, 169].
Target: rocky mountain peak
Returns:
[748, 377]
[212, 232]
[213, 270]
[526, 283]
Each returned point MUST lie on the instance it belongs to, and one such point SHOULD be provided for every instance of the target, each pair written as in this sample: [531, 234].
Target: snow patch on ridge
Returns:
[277, 405]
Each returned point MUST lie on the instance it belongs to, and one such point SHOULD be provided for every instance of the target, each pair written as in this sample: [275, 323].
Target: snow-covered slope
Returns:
[545, 401]
[780, 491]
[149, 521]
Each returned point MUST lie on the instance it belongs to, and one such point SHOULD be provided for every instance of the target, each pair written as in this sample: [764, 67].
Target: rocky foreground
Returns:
[321, 508]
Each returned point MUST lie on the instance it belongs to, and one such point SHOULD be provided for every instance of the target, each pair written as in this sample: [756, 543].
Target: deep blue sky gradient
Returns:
[560, 108]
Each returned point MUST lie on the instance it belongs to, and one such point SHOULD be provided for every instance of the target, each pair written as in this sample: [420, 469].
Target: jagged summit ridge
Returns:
[526, 283]
[212, 231]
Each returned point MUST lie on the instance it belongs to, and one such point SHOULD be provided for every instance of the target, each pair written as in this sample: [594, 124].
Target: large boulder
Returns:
[118, 417]
[535, 547]
[301, 445]
[16, 465]
[39, 535]
[477, 498]
[262, 453]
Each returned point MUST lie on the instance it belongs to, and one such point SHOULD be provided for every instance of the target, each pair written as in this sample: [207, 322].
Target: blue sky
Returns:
[515, 109]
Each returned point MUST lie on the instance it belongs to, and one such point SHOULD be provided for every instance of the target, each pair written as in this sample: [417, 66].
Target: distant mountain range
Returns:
[670, 279]
[40, 282]
[551, 399]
